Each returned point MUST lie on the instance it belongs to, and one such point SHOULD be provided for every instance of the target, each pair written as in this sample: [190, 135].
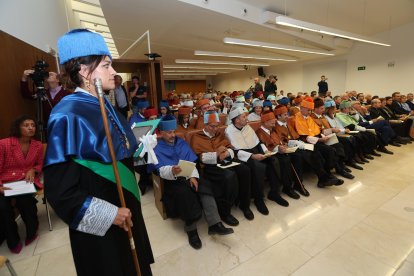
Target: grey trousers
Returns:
[210, 212]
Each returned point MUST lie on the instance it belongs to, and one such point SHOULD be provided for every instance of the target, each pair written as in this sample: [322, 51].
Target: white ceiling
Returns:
[177, 28]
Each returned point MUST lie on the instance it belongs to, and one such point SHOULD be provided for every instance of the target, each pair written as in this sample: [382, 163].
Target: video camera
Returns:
[40, 74]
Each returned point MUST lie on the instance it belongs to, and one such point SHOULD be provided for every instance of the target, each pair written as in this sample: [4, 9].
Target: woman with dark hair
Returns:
[79, 180]
[183, 119]
[21, 158]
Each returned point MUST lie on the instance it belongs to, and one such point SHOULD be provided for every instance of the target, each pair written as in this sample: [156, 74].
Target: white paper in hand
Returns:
[312, 140]
[19, 188]
[186, 167]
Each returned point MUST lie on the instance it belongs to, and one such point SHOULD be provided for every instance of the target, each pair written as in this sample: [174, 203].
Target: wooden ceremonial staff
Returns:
[99, 90]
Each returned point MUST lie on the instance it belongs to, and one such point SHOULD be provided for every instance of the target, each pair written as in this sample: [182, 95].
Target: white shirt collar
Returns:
[281, 123]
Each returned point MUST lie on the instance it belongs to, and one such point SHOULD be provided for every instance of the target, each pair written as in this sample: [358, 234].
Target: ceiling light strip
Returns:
[290, 22]
[236, 41]
[196, 61]
[235, 55]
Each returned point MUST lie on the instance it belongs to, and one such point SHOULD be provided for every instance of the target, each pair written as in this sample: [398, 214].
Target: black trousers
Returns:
[273, 173]
[26, 204]
[315, 160]
[349, 148]
[328, 154]
[257, 176]
[225, 187]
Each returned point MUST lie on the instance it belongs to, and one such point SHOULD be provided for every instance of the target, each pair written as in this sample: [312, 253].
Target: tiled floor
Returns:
[364, 227]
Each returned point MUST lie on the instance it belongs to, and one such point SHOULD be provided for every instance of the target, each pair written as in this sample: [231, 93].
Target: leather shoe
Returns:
[367, 156]
[291, 193]
[230, 220]
[384, 150]
[301, 190]
[375, 153]
[328, 181]
[395, 144]
[278, 199]
[345, 174]
[261, 207]
[354, 165]
[358, 161]
[219, 229]
[248, 214]
[194, 239]
[348, 170]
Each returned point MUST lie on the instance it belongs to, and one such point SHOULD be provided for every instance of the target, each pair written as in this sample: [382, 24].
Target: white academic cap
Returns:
[207, 96]
[235, 111]
[257, 103]
[271, 98]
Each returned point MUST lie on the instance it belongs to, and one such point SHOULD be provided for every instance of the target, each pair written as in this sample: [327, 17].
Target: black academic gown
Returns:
[95, 255]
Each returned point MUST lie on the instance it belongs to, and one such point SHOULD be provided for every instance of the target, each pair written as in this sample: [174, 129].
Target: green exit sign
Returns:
[360, 68]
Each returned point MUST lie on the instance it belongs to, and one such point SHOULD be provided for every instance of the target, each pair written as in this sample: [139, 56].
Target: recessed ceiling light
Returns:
[235, 55]
[218, 62]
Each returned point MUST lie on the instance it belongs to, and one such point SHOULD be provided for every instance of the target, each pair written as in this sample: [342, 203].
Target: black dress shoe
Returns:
[328, 181]
[348, 170]
[354, 165]
[248, 214]
[278, 199]
[345, 174]
[301, 190]
[395, 144]
[367, 156]
[363, 159]
[230, 220]
[219, 229]
[375, 153]
[358, 161]
[291, 193]
[261, 207]
[194, 239]
[384, 150]
[337, 180]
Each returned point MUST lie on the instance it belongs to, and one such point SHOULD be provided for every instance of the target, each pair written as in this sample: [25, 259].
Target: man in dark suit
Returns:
[396, 105]
[410, 100]
[400, 127]
[270, 86]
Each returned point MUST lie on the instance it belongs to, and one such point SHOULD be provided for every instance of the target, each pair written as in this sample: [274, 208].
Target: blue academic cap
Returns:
[267, 103]
[247, 95]
[168, 122]
[283, 101]
[165, 104]
[81, 43]
[142, 104]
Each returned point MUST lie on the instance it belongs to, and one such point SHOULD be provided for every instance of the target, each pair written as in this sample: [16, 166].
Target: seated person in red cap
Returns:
[272, 142]
[202, 106]
[285, 129]
[214, 148]
[259, 95]
[138, 115]
[150, 113]
[247, 146]
[183, 118]
[310, 132]
[184, 197]
[343, 148]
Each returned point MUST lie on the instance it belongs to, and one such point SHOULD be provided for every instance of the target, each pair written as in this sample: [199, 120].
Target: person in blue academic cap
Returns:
[164, 108]
[78, 176]
[138, 112]
[184, 197]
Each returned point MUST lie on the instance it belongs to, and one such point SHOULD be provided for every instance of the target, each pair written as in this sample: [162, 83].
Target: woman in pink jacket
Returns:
[21, 158]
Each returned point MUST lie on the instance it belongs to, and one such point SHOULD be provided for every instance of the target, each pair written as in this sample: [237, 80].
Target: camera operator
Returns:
[52, 95]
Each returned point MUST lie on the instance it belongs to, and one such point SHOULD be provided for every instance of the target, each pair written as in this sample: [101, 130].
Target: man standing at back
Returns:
[270, 86]
[121, 97]
[323, 86]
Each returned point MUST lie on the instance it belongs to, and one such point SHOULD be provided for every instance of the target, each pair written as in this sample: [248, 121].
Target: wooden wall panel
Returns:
[15, 57]
[190, 86]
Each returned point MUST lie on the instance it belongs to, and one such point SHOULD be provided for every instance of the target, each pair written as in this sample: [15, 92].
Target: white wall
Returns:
[37, 22]
[342, 73]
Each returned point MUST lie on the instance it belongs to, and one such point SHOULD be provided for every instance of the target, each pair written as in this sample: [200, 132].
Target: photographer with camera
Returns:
[49, 97]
